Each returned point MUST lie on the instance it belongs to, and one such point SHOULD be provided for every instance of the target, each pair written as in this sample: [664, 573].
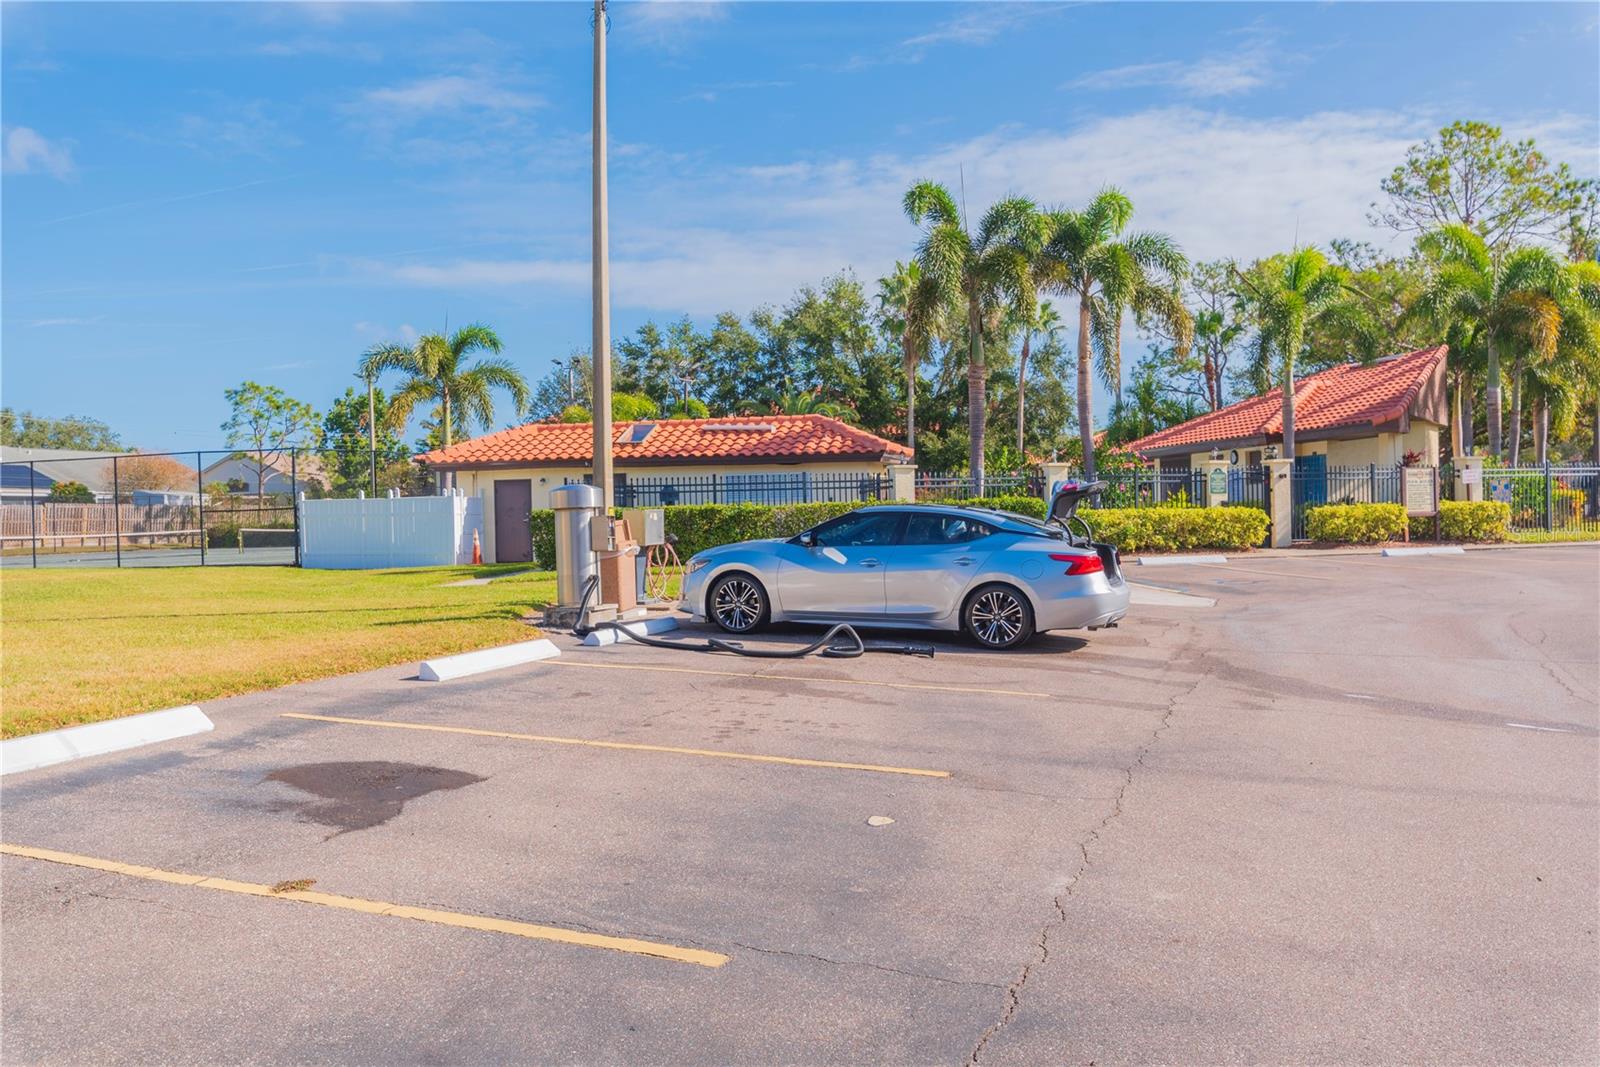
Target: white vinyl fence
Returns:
[389, 531]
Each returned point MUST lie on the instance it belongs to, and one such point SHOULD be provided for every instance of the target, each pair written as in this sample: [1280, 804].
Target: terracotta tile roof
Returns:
[1352, 394]
[741, 438]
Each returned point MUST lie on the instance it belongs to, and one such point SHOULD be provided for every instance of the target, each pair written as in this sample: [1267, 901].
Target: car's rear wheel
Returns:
[998, 616]
[737, 603]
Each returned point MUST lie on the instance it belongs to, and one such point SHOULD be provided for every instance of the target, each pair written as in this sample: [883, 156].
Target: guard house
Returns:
[1352, 415]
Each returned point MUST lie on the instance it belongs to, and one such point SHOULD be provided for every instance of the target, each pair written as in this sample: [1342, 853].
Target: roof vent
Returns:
[637, 433]
[739, 427]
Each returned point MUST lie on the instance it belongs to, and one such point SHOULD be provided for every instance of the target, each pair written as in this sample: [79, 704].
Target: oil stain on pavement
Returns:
[360, 795]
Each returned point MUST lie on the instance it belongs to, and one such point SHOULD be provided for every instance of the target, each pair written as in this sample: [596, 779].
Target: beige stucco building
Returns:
[1356, 415]
[764, 459]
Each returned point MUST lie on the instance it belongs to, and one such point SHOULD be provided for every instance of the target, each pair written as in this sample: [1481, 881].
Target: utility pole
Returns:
[601, 399]
[372, 433]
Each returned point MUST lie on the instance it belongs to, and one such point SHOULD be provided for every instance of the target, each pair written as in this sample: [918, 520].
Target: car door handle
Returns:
[963, 561]
[869, 563]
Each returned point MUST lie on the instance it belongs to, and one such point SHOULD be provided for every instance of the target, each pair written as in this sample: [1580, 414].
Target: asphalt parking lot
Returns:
[1348, 814]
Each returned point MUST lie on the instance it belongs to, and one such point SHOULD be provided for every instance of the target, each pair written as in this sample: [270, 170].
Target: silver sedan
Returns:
[997, 576]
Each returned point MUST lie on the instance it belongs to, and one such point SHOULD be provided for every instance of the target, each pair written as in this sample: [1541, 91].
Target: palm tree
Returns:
[983, 270]
[788, 401]
[438, 371]
[1506, 299]
[1560, 384]
[1288, 294]
[1109, 276]
[913, 307]
[1044, 320]
[1214, 335]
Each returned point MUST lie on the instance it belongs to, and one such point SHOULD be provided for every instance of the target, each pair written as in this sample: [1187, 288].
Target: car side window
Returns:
[934, 529]
[875, 528]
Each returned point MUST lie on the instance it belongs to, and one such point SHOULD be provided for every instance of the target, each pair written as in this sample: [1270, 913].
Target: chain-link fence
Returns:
[212, 507]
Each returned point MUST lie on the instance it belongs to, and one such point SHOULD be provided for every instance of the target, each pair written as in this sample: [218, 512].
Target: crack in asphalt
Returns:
[1013, 997]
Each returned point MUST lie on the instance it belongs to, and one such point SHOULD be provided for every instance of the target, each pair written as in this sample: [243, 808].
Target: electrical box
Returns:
[602, 533]
[647, 526]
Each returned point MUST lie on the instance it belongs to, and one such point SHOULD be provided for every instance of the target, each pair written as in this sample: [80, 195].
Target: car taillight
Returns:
[1079, 564]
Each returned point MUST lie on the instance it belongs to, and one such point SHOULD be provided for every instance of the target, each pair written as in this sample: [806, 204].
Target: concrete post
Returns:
[1216, 479]
[1469, 486]
[903, 482]
[1280, 501]
[1053, 473]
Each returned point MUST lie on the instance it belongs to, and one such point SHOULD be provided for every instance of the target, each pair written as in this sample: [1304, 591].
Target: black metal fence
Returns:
[216, 507]
[798, 487]
[1312, 484]
[941, 485]
[1548, 503]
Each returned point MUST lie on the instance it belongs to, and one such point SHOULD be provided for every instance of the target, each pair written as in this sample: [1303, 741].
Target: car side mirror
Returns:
[808, 539]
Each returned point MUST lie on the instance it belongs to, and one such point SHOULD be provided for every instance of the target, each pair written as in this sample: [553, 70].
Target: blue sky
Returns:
[199, 193]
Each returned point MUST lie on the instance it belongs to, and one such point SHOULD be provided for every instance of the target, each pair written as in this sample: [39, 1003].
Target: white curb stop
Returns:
[1164, 561]
[489, 659]
[99, 738]
[1436, 550]
[643, 628]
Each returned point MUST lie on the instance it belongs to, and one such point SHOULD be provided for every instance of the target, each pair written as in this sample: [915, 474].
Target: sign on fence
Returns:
[1218, 483]
[1421, 491]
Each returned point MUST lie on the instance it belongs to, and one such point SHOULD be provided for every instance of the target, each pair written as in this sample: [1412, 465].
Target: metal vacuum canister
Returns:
[575, 506]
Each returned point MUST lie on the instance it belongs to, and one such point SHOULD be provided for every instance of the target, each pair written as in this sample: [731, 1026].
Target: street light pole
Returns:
[601, 399]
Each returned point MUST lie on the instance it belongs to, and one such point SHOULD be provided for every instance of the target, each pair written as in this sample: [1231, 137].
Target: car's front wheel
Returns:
[737, 603]
[998, 616]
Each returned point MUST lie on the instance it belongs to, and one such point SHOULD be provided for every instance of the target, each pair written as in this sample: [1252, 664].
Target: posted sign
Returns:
[1217, 482]
[1421, 490]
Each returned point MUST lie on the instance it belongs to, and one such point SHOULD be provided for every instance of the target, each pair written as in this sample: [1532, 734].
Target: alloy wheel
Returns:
[737, 604]
[997, 617]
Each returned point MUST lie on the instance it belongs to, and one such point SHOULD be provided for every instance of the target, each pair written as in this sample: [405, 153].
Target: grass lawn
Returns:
[1546, 536]
[86, 644]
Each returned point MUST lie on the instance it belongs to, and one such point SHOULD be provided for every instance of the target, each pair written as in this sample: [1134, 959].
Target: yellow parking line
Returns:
[658, 949]
[630, 746]
[797, 678]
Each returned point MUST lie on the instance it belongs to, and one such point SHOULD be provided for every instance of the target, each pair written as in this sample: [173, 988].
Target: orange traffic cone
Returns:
[477, 550]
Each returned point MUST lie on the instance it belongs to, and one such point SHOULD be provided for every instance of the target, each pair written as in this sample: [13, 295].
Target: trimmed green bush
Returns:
[1160, 529]
[1356, 524]
[1467, 520]
[698, 527]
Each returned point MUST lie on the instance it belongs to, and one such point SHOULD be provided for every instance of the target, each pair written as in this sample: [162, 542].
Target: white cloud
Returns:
[29, 152]
[669, 24]
[672, 12]
[451, 92]
[321, 47]
[1221, 184]
[231, 128]
[979, 26]
[405, 333]
[36, 323]
[975, 27]
[1248, 67]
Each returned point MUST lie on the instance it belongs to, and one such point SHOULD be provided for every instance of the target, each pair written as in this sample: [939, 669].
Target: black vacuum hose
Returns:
[841, 642]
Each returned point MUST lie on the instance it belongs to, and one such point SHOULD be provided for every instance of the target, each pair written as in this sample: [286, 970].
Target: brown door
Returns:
[513, 506]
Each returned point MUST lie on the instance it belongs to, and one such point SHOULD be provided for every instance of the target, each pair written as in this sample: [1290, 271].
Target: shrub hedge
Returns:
[1233, 527]
[701, 526]
[1464, 520]
[1482, 520]
[1356, 524]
